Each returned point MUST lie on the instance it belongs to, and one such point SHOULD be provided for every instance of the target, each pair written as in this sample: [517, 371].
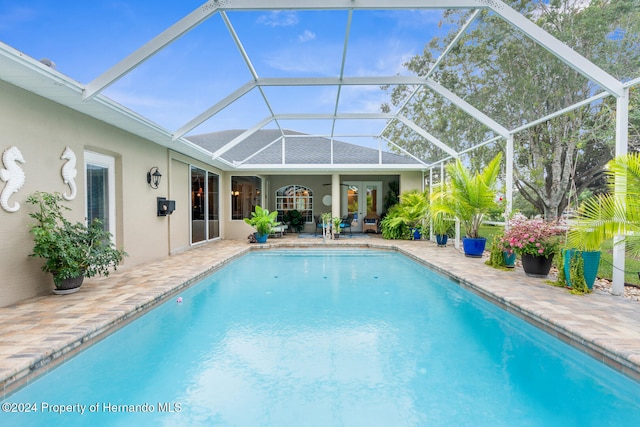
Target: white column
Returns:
[509, 177]
[335, 195]
[432, 236]
[622, 139]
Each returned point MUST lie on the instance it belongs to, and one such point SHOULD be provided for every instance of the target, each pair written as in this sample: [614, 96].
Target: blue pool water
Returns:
[328, 338]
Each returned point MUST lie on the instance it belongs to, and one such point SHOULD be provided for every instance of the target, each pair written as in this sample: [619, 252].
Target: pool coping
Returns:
[48, 330]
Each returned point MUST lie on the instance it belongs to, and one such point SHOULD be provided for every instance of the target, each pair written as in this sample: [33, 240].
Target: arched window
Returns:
[296, 197]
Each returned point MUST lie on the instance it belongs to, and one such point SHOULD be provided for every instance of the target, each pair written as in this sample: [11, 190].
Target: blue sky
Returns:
[86, 37]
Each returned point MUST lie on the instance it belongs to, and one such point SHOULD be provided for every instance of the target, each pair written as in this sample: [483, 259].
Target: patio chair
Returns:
[370, 223]
[346, 223]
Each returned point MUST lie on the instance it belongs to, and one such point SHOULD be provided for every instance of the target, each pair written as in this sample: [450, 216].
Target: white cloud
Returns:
[306, 36]
[323, 60]
[279, 18]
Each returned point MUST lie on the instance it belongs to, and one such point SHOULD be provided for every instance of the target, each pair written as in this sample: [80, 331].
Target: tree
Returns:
[515, 81]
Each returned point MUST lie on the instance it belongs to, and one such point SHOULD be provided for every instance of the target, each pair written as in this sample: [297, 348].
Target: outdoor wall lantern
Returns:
[153, 177]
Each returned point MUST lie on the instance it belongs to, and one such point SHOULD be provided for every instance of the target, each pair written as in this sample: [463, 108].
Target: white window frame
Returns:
[108, 162]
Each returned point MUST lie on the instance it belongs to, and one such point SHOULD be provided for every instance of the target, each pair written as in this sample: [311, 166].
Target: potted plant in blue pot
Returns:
[441, 227]
[263, 221]
[469, 197]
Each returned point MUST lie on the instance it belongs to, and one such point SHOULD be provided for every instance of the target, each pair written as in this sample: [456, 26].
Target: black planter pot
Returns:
[536, 266]
[69, 286]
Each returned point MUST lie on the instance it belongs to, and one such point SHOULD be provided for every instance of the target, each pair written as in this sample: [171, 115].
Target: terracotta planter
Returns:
[536, 266]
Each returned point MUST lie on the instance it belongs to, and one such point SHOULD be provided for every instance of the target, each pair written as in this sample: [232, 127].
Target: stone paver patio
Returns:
[39, 332]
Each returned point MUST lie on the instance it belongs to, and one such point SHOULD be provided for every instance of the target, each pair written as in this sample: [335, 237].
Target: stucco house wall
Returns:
[41, 130]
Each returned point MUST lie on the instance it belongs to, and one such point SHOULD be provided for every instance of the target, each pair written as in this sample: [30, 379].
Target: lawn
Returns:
[631, 265]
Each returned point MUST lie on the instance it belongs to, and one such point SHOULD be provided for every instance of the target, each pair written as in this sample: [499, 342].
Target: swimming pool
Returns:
[328, 338]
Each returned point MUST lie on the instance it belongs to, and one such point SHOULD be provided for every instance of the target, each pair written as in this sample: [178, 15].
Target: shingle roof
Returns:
[300, 149]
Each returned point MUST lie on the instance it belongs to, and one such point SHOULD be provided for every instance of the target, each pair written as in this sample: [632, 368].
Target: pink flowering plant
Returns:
[532, 236]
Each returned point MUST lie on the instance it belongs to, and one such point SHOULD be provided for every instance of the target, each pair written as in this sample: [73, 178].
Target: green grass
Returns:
[489, 230]
[631, 265]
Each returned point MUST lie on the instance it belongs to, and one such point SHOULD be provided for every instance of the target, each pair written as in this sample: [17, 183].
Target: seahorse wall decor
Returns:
[69, 172]
[13, 175]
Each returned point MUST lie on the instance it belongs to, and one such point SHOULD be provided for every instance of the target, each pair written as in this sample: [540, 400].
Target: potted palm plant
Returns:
[469, 196]
[71, 251]
[441, 227]
[263, 221]
[604, 216]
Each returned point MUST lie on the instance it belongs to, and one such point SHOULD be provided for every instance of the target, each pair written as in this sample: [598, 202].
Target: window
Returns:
[295, 197]
[245, 195]
[205, 206]
[100, 195]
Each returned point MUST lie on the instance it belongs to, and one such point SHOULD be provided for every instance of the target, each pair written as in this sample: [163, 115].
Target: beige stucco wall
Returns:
[179, 234]
[41, 130]
[411, 181]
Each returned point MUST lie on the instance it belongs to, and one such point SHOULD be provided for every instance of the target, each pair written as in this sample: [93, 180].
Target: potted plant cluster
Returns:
[536, 241]
[469, 197]
[71, 251]
[263, 221]
[404, 220]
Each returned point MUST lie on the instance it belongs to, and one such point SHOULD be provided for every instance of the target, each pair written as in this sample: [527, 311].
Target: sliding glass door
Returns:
[205, 206]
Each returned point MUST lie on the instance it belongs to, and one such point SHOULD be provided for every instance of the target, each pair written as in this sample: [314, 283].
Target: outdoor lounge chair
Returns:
[346, 223]
[370, 223]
